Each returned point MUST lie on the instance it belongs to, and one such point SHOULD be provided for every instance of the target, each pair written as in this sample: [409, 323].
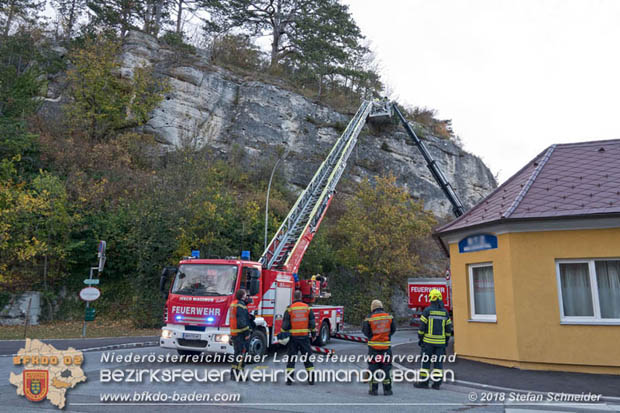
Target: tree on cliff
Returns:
[69, 12]
[181, 7]
[13, 10]
[104, 103]
[325, 41]
[290, 23]
[116, 14]
[124, 15]
[21, 81]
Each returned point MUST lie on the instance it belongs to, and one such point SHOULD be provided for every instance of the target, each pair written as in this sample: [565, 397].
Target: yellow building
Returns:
[536, 265]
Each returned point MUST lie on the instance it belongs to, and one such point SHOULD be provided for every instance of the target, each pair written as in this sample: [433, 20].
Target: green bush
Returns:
[177, 42]
[102, 102]
[236, 50]
[5, 297]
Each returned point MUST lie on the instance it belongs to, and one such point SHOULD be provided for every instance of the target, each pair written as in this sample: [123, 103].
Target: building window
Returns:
[589, 290]
[482, 292]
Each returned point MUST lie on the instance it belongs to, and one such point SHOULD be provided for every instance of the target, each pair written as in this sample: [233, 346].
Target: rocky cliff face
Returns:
[210, 107]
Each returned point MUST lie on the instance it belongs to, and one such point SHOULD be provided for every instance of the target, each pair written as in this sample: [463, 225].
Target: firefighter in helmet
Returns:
[299, 322]
[241, 325]
[379, 328]
[433, 335]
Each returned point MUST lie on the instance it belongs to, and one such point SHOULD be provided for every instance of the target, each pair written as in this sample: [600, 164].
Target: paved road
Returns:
[264, 397]
[8, 347]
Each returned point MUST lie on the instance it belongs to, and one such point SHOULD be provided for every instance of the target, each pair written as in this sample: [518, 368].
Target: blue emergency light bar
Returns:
[245, 255]
[209, 320]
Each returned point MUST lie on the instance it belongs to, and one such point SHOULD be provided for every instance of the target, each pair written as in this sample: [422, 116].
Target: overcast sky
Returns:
[515, 76]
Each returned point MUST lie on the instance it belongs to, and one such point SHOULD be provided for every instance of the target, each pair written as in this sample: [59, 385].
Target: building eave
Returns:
[533, 224]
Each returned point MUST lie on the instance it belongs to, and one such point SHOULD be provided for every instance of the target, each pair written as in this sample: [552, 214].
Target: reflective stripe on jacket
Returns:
[379, 327]
[298, 319]
[239, 318]
[435, 324]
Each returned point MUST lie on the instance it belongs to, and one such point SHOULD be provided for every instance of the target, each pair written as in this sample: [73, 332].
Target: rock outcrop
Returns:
[20, 308]
[210, 107]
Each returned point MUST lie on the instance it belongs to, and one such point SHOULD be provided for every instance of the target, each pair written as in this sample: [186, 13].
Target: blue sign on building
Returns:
[478, 242]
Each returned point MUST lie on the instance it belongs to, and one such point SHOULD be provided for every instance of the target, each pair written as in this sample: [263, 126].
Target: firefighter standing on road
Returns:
[299, 322]
[241, 323]
[434, 334]
[379, 328]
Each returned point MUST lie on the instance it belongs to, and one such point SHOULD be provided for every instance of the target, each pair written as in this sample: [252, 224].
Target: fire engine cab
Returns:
[202, 290]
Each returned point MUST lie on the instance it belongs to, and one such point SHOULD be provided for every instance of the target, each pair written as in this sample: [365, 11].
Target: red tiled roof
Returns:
[564, 180]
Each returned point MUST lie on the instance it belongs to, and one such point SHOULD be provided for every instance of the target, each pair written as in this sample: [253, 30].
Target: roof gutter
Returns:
[530, 219]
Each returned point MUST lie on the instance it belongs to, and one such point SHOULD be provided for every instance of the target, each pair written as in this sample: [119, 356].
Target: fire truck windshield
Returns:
[205, 279]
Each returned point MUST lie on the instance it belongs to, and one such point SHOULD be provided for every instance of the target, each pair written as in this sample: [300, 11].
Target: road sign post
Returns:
[91, 293]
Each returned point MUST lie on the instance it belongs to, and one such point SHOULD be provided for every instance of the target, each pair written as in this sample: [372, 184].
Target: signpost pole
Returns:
[101, 255]
[84, 326]
[90, 277]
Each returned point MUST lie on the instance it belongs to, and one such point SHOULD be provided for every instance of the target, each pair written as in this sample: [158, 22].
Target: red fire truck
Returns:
[201, 290]
[418, 294]
[196, 312]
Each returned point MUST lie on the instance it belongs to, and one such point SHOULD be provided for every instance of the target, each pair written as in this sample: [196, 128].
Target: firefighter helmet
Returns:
[434, 295]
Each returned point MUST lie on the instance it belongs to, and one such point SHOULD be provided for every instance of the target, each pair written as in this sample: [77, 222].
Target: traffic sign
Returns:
[101, 248]
[101, 255]
[90, 294]
[89, 315]
[91, 281]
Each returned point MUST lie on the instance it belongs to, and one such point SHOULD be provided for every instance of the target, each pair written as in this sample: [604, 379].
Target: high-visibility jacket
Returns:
[298, 319]
[239, 318]
[379, 328]
[435, 324]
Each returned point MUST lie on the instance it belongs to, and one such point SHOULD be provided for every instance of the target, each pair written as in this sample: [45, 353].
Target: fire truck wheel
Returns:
[188, 352]
[258, 343]
[324, 334]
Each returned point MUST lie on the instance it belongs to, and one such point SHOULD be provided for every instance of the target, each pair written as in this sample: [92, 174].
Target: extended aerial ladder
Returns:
[287, 247]
[290, 242]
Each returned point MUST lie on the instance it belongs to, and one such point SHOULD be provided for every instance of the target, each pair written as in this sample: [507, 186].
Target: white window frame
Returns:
[596, 318]
[489, 318]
